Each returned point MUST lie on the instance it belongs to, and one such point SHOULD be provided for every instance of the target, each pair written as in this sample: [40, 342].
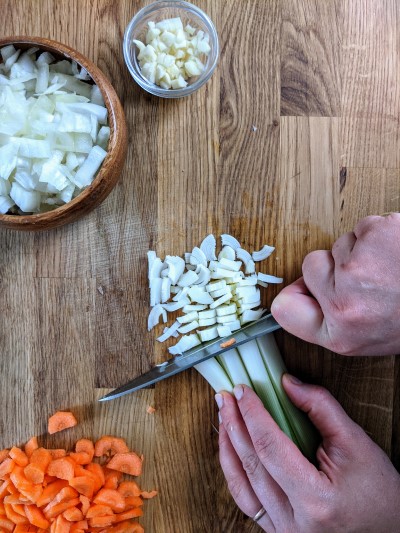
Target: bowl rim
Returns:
[118, 139]
[155, 89]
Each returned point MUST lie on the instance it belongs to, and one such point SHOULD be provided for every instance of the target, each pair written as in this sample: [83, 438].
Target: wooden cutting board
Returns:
[294, 139]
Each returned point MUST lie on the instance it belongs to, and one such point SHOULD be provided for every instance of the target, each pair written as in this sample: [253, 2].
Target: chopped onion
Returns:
[169, 332]
[267, 278]
[208, 247]
[154, 316]
[184, 344]
[262, 254]
[228, 240]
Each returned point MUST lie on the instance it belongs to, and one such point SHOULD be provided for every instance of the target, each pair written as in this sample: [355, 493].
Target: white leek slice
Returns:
[234, 367]
[221, 292]
[233, 326]
[243, 307]
[250, 315]
[204, 322]
[169, 332]
[210, 313]
[208, 247]
[262, 284]
[193, 307]
[224, 310]
[267, 278]
[200, 296]
[184, 344]
[165, 290]
[174, 306]
[208, 334]
[182, 294]
[155, 291]
[262, 254]
[216, 286]
[203, 275]
[248, 280]
[227, 318]
[223, 331]
[227, 252]
[154, 317]
[244, 256]
[246, 291]
[230, 265]
[184, 319]
[198, 257]
[221, 273]
[176, 267]
[188, 279]
[250, 298]
[151, 257]
[189, 327]
[155, 267]
[221, 300]
[229, 240]
[216, 376]
[250, 267]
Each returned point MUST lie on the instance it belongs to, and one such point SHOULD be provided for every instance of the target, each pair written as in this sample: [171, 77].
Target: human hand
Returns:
[355, 489]
[348, 300]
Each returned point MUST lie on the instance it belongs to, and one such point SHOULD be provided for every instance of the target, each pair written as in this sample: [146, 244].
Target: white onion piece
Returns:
[244, 256]
[230, 265]
[200, 296]
[207, 321]
[249, 280]
[151, 257]
[210, 313]
[216, 286]
[204, 275]
[182, 294]
[226, 319]
[155, 268]
[208, 334]
[262, 284]
[174, 306]
[262, 254]
[221, 300]
[224, 310]
[245, 307]
[154, 317]
[184, 344]
[228, 240]
[220, 292]
[155, 291]
[227, 252]
[193, 307]
[267, 278]
[169, 332]
[184, 319]
[5, 204]
[235, 325]
[188, 279]
[165, 290]
[223, 330]
[189, 327]
[250, 316]
[208, 247]
[197, 257]
[176, 267]
[250, 267]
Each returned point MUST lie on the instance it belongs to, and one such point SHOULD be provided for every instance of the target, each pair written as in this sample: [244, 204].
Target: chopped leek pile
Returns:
[53, 131]
[215, 297]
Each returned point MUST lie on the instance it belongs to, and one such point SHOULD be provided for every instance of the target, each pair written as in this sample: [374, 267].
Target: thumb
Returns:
[326, 413]
[299, 313]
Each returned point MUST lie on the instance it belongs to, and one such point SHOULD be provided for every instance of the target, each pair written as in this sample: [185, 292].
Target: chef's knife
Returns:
[196, 355]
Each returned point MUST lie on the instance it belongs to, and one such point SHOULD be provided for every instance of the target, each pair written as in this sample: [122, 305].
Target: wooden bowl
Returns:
[111, 168]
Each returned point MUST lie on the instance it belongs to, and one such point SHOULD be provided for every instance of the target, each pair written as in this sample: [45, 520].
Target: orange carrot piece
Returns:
[102, 521]
[30, 446]
[59, 508]
[109, 445]
[128, 463]
[111, 481]
[85, 503]
[38, 463]
[82, 525]
[61, 420]
[6, 524]
[129, 488]
[80, 458]
[62, 525]
[147, 495]
[97, 470]
[16, 518]
[73, 514]
[62, 468]
[112, 498]
[18, 456]
[84, 485]
[51, 491]
[126, 527]
[133, 501]
[4, 488]
[150, 410]
[80, 471]
[26, 528]
[6, 467]
[58, 453]
[25, 487]
[85, 445]
[65, 494]
[12, 489]
[18, 508]
[127, 515]
[4, 454]
[36, 516]
[99, 510]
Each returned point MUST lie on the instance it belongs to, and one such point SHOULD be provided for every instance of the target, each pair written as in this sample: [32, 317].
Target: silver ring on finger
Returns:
[259, 515]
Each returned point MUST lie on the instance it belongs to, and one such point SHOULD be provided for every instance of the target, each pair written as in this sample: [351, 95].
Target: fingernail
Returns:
[220, 400]
[293, 379]
[238, 392]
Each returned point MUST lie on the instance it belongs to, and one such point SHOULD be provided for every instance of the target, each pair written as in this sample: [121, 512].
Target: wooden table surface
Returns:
[294, 139]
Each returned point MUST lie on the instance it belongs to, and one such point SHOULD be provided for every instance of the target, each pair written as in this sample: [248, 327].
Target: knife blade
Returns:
[196, 355]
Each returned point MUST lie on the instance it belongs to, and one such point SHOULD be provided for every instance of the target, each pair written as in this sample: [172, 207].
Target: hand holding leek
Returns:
[355, 488]
[348, 300]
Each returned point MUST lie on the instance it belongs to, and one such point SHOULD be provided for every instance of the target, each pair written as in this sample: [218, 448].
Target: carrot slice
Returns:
[109, 445]
[4, 488]
[18, 508]
[16, 518]
[96, 470]
[80, 458]
[26, 528]
[82, 525]
[62, 468]
[3, 454]
[38, 463]
[58, 453]
[99, 510]
[126, 527]
[127, 515]
[129, 488]
[59, 508]
[61, 420]
[148, 495]
[50, 492]
[85, 445]
[18, 456]
[133, 501]
[102, 521]
[6, 524]
[112, 498]
[31, 445]
[85, 503]
[84, 485]
[36, 516]
[62, 525]
[128, 463]
[6, 467]
[111, 479]
[73, 514]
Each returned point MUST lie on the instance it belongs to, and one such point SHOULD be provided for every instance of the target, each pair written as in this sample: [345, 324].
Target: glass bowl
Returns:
[161, 10]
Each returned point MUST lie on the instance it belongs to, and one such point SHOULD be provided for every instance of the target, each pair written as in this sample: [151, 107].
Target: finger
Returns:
[337, 429]
[267, 490]
[318, 274]
[238, 482]
[342, 248]
[279, 455]
[365, 225]
[299, 313]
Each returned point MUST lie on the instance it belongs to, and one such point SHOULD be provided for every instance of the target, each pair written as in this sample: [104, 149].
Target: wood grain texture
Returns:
[293, 139]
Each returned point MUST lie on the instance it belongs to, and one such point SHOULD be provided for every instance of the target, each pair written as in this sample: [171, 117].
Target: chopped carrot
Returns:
[51, 491]
[18, 508]
[133, 501]
[110, 497]
[97, 470]
[80, 458]
[126, 527]
[150, 410]
[6, 467]
[228, 343]
[129, 488]
[58, 453]
[51, 511]
[108, 445]
[86, 446]
[80, 471]
[111, 479]
[6, 524]
[148, 495]
[85, 503]
[99, 510]
[102, 521]
[18, 456]
[4, 489]
[38, 463]
[82, 525]
[36, 516]
[128, 463]
[62, 468]
[84, 485]
[62, 525]
[4, 454]
[73, 514]
[127, 515]
[16, 518]
[61, 420]
[31, 445]
[25, 528]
